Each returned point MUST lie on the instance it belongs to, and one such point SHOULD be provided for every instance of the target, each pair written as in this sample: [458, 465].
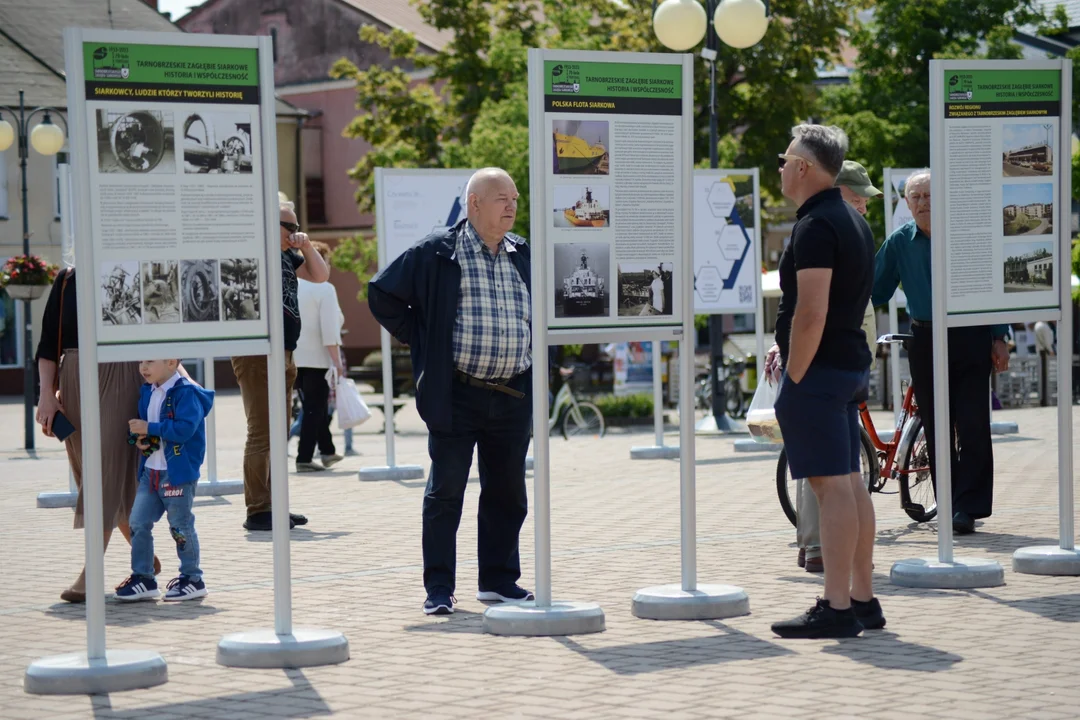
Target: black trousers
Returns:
[315, 422]
[970, 366]
[497, 425]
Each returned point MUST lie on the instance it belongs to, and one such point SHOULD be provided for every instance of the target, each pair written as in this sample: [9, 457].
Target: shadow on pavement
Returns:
[298, 534]
[748, 457]
[301, 700]
[134, 614]
[733, 645]
[462, 622]
[885, 650]
[999, 542]
[882, 586]
[1060, 608]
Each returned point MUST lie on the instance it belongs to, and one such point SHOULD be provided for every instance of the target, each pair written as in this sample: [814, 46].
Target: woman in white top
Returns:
[317, 350]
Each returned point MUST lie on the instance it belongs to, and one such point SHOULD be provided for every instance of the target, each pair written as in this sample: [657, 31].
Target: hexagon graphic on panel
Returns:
[721, 199]
[709, 283]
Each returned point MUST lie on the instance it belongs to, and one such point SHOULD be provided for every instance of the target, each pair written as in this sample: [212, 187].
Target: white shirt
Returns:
[153, 415]
[658, 294]
[320, 324]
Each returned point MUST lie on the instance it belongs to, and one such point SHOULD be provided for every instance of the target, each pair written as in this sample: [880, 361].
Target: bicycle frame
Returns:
[908, 410]
[565, 397]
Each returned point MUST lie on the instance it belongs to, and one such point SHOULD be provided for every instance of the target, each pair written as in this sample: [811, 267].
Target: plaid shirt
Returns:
[492, 331]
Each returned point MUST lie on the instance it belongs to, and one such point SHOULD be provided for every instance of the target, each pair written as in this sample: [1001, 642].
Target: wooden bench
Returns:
[378, 405]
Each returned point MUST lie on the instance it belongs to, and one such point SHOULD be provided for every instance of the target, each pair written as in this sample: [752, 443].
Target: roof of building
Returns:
[32, 43]
[1072, 9]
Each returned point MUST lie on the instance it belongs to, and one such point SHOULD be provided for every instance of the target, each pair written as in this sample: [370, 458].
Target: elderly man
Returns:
[825, 277]
[973, 353]
[856, 189]
[460, 300]
[251, 373]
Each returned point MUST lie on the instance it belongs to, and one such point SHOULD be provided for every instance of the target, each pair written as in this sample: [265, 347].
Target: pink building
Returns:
[309, 38]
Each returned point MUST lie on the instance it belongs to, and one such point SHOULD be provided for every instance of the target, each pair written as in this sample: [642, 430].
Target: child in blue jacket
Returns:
[171, 433]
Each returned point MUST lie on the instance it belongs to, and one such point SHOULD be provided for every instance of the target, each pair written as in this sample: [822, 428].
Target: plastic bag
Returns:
[761, 418]
[351, 408]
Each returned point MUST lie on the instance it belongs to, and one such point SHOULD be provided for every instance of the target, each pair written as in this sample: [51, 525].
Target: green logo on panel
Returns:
[112, 62]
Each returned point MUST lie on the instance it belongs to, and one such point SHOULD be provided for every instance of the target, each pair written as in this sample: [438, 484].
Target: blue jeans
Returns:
[497, 425]
[154, 498]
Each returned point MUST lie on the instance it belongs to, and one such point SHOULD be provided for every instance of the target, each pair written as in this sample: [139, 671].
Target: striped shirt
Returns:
[492, 332]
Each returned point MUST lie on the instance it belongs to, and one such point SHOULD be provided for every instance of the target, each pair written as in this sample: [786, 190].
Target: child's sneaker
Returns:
[184, 588]
[137, 587]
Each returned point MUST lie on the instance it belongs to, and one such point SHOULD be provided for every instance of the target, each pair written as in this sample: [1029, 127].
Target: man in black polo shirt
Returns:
[826, 274]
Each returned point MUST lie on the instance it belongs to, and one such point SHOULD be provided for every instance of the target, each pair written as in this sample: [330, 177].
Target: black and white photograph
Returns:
[121, 298]
[1028, 209]
[240, 288]
[1027, 150]
[161, 291]
[582, 206]
[199, 296]
[645, 288]
[581, 280]
[136, 141]
[580, 147]
[1029, 267]
[218, 143]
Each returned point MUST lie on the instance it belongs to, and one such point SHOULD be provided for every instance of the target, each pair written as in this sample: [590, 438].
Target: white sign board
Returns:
[727, 265]
[896, 180]
[412, 204]
[175, 171]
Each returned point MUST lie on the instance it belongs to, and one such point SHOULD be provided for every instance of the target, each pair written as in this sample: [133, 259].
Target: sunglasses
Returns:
[290, 226]
[781, 161]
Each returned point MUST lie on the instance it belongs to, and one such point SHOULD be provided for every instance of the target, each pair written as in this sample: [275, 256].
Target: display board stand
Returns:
[657, 451]
[977, 95]
[391, 470]
[214, 486]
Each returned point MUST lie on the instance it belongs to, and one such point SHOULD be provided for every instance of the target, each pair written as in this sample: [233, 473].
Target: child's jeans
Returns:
[154, 498]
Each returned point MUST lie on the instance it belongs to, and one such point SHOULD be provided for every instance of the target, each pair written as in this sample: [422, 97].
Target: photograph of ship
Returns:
[121, 303]
[1029, 267]
[135, 141]
[218, 143]
[1027, 150]
[582, 206]
[581, 273]
[199, 291]
[645, 289]
[580, 147]
[161, 291]
[240, 288]
[1028, 209]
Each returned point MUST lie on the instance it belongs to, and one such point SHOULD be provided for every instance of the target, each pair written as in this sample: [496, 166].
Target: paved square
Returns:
[1004, 652]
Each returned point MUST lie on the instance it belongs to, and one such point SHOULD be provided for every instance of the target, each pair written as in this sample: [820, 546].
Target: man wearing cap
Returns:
[856, 189]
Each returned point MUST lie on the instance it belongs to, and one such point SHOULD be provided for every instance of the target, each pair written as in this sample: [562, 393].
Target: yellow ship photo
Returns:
[580, 147]
[587, 212]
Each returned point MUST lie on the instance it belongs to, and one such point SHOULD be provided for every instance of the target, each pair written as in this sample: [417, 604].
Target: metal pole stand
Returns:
[748, 445]
[76, 674]
[214, 486]
[659, 451]
[60, 499]
[391, 470]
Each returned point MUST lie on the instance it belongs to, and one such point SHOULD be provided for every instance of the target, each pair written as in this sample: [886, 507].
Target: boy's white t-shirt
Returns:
[153, 415]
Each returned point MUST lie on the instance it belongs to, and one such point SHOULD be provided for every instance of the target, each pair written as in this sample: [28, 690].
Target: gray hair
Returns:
[284, 205]
[917, 175]
[826, 145]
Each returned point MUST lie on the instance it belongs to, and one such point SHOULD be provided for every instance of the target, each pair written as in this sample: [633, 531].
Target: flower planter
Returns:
[25, 292]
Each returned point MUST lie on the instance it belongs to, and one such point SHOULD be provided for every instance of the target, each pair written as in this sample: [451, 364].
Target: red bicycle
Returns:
[905, 459]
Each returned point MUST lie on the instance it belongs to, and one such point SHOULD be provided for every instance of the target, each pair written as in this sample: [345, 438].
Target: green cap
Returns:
[855, 177]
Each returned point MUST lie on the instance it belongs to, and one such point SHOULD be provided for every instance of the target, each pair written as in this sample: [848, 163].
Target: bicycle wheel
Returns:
[787, 487]
[733, 397]
[583, 420]
[918, 496]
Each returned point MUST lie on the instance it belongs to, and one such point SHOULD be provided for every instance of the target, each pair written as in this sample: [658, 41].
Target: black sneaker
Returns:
[439, 602]
[264, 522]
[507, 593]
[869, 613]
[821, 621]
[295, 520]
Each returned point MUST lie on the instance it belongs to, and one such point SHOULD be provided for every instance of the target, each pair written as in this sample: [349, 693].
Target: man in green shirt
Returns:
[973, 353]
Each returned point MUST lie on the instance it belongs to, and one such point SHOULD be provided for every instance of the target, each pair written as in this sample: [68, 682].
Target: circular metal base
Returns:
[57, 499]
[707, 602]
[748, 446]
[707, 426]
[1046, 560]
[75, 674]
[219, 487]
[306, 647]
[395, 472]
[1004, 428]
[654, 452]
[960, 573]
[561, 618]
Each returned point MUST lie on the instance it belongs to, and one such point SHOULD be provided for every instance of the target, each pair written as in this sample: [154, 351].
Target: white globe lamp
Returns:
[740, 23]
[680, 24]
[47, 138]
[7, 135]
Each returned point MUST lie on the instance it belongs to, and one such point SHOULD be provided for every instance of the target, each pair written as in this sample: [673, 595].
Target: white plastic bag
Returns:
[761, 418]
[351, 408]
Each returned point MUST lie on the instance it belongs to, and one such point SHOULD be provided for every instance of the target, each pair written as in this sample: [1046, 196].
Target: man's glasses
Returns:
[781, 161]
[290, 226]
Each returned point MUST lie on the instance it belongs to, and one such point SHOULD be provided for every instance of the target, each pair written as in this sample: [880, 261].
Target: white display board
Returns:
[412, 204]
[727, 254]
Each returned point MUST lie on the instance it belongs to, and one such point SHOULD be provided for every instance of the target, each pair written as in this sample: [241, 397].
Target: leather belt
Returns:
[496, 385]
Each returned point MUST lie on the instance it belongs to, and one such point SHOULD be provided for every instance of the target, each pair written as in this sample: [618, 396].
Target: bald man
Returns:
[460, 300]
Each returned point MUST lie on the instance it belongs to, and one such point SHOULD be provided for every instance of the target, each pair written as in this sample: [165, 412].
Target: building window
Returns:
[273, 42]
[314, 188]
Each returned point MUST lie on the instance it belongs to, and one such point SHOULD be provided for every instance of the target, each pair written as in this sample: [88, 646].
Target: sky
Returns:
[1026, 194]
[1025, 249]
[1018, 136]
[178, 8]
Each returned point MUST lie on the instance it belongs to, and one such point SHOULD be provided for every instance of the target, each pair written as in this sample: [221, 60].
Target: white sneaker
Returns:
[331, 460]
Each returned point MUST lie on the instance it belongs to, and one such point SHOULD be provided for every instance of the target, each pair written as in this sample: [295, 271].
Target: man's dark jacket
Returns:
[416, 299]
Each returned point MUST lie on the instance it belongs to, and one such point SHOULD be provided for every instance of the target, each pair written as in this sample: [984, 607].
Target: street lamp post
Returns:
[681, 25]
[47, 139]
